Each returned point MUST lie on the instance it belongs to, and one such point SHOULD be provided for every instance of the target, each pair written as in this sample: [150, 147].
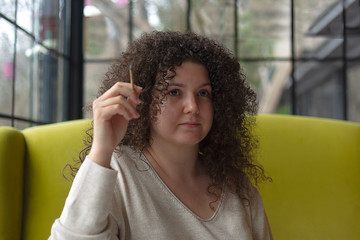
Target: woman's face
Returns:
[186, 114]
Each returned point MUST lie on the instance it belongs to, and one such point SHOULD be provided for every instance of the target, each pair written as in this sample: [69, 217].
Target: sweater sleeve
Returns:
[260, 224]
[86, 214]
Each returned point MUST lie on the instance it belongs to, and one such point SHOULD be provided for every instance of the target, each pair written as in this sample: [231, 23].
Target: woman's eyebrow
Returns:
[206, 84]
[183, 85]
[176, 84]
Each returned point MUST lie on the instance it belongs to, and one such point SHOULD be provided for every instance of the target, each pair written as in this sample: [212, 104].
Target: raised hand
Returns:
[112, 112]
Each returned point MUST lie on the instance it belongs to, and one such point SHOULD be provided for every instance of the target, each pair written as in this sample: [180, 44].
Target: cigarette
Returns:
[131, 78]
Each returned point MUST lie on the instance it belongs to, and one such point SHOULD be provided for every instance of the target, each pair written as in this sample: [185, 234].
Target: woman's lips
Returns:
[190, 124]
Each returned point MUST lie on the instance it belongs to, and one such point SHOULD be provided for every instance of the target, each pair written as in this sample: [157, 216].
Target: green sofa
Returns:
[314, 164]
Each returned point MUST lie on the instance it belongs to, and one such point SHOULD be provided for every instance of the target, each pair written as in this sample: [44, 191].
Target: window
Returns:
[292, 51]
[297, 54]
[34, 56]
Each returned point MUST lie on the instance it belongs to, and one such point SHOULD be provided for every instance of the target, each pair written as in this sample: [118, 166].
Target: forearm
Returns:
[87, 208]
[100, 157]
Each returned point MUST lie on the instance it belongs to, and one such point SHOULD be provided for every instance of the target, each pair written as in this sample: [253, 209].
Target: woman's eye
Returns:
[174, 92]
[204, 93]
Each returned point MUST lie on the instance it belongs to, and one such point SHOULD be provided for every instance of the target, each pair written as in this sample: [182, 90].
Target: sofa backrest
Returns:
[12, 150]
[49, 149]
[315, 166]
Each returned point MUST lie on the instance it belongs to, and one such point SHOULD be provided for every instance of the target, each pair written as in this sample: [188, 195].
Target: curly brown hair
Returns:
[227, 152]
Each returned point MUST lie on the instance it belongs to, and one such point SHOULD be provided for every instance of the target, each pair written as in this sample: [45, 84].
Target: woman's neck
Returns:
[183, 174]
[179, 163]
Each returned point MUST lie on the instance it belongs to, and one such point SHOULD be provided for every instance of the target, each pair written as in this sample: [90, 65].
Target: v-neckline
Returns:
[162, 183]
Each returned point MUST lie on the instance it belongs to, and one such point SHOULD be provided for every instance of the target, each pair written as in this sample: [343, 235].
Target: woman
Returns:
[171, 158]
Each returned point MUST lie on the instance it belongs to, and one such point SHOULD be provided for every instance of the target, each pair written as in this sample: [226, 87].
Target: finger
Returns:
[133, 95]
[108, 112]
[138, 90]
[113, 91]
[130, 107]
[124, 89]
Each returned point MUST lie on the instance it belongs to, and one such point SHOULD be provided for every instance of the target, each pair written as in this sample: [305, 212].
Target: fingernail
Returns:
[137, 100]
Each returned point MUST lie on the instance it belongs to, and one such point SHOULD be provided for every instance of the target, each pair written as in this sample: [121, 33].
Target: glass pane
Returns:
[48, 81]
[319, 92]
[47, 23]
[61, 90]
[326, 17]
[22, 125]
[105, 28]
[353, 46]
[93, 73]
[25, 14]
[37, 20]
[144, 18]
[214, 19]
[313, 19]
[23, 81]
[7, 42]
[264, 29]
[47, 95]
[7, 7]
[64, 27]
[284, 105]
[5, 122]
[162, 15]
[353, 92]
[353, 84]
[269, 79]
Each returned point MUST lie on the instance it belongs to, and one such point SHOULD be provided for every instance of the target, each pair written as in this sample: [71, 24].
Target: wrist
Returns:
[102, 158]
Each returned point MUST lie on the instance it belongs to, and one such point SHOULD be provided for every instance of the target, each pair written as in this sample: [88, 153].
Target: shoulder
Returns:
[125, 158]
[252, 194]
[248, 196]
[253, 202]
[259, 221]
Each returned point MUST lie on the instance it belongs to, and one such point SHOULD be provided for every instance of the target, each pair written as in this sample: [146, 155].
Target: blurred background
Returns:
[301, 56]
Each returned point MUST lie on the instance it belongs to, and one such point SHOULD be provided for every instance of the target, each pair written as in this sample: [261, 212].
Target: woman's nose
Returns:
[191, 105]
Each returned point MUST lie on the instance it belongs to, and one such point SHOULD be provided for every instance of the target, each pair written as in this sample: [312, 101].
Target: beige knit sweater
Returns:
[130, 201]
